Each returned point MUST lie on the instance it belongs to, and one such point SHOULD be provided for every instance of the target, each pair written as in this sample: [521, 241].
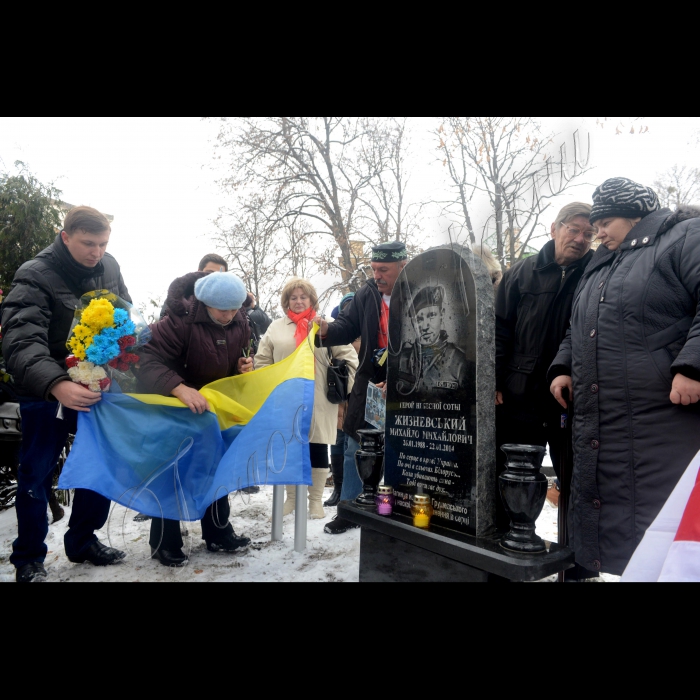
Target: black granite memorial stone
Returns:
[440, 423]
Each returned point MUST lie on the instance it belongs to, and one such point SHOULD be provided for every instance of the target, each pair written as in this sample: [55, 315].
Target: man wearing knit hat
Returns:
[367, 316]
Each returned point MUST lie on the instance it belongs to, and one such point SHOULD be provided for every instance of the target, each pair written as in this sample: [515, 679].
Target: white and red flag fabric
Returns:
[670, 552]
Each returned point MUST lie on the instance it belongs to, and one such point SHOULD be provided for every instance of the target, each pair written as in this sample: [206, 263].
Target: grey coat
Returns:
[635, 325]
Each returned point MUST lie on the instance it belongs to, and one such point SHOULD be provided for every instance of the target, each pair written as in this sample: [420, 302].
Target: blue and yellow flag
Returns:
[153, 455]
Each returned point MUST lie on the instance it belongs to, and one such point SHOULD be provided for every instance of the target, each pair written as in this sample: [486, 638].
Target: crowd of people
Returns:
[598, 356]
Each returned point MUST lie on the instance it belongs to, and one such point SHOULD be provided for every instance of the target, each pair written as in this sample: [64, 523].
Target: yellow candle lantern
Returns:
[422, 511]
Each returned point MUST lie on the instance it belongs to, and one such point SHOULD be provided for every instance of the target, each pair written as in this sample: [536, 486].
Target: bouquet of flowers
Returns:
[102, 341]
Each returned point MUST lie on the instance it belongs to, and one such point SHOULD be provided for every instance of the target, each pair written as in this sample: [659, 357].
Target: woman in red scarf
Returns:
[300, 305]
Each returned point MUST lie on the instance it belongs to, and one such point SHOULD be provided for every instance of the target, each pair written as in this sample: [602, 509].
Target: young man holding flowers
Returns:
[37, 316]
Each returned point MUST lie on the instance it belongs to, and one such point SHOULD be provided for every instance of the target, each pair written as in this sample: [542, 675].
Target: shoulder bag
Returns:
[338, 380]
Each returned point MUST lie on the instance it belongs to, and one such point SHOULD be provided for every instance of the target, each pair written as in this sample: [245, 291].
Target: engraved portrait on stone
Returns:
[430, 361]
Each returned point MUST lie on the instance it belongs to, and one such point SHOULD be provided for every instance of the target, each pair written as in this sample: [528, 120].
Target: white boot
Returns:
[290, 505]
[320, 476]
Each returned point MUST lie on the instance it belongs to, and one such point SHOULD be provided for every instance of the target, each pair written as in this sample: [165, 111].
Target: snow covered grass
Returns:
[326, 560]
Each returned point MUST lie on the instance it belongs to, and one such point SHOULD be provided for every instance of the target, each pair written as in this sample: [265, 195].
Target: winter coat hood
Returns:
[181, 293]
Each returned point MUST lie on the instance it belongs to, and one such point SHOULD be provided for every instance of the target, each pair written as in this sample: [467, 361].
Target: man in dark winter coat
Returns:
[367, 316]
[259, 320]
[36, 320]
[632, 357]
[533, 310]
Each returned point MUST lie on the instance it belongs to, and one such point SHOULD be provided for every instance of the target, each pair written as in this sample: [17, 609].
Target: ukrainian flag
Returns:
[153, 455]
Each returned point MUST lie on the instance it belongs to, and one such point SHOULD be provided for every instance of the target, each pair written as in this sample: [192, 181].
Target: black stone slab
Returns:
[393, 551]
[440, 423]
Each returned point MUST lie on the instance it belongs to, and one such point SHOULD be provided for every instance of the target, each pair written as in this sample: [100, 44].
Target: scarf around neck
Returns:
[302, 321]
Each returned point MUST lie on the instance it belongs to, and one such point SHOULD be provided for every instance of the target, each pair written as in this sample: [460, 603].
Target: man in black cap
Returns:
[432, 364]
[367, 316]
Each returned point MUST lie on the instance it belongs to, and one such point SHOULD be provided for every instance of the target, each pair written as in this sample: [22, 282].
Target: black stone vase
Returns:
[370, 466]
[524, 492]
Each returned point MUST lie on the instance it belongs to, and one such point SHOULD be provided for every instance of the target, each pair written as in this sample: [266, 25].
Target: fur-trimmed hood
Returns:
[683, 213]
[181, 293]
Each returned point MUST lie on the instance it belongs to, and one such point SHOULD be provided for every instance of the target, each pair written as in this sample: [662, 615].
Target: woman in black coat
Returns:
[632, 356]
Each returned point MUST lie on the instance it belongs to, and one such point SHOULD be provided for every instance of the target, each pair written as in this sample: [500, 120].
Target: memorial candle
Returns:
[422, 511]
[385, 501]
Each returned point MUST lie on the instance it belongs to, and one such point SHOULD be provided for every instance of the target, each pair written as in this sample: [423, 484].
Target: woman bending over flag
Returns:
[202, 340]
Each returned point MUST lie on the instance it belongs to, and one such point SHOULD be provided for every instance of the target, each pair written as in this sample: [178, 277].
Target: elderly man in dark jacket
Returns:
[533, 311]
[36, 320]
[367, 316]
[632, 356]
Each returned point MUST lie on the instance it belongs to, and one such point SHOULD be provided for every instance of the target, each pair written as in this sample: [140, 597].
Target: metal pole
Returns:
[277, 514]
[302, 510]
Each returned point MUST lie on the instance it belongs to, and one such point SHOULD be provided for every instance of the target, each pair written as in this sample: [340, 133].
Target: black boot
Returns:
[32, 573]
[173, 560]
[56, 510]
[230, 544]
[337, 464]
[99, 555]
[338, 526]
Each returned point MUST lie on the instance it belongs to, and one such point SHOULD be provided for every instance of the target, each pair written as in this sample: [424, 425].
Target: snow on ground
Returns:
[326, 560]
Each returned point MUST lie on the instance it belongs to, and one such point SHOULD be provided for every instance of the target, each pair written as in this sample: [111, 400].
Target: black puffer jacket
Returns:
[635, 325]
[38, 313]
[533, 310]
[359, 319]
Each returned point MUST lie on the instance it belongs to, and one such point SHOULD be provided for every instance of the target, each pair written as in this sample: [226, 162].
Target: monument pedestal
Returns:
[394, 551]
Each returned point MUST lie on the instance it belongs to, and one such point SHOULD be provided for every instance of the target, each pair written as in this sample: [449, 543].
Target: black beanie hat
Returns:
[623, 198]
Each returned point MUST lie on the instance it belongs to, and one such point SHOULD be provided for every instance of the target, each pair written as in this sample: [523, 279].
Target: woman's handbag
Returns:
[338, 380]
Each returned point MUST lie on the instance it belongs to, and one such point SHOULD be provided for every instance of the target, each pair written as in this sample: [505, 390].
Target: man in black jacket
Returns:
[533, 312]
[259, 320]
[367, 316]
[37, 316]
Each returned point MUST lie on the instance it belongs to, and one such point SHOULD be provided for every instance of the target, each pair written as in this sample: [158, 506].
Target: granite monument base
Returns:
[393, 551]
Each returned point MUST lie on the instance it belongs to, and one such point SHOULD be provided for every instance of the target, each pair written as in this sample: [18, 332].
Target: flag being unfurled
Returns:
[670, 551]
[154, 456]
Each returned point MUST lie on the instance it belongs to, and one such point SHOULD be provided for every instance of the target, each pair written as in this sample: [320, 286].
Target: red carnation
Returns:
[72, 361]
[105, 384]
[128, 341]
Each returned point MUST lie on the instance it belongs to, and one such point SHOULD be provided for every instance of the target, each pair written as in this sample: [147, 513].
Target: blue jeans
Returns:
[341, 445]
[352, 484]
[43, 438]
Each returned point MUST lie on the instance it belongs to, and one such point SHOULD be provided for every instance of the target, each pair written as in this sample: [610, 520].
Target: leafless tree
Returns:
[334, 174]
[390, 215]
[679, 185]
[507, 166]
[261, 247]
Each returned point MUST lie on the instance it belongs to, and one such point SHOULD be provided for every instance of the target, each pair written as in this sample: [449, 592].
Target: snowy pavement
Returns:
[326, 560]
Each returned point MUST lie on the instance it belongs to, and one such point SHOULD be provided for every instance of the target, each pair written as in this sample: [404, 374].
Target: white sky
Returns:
[153, 174]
